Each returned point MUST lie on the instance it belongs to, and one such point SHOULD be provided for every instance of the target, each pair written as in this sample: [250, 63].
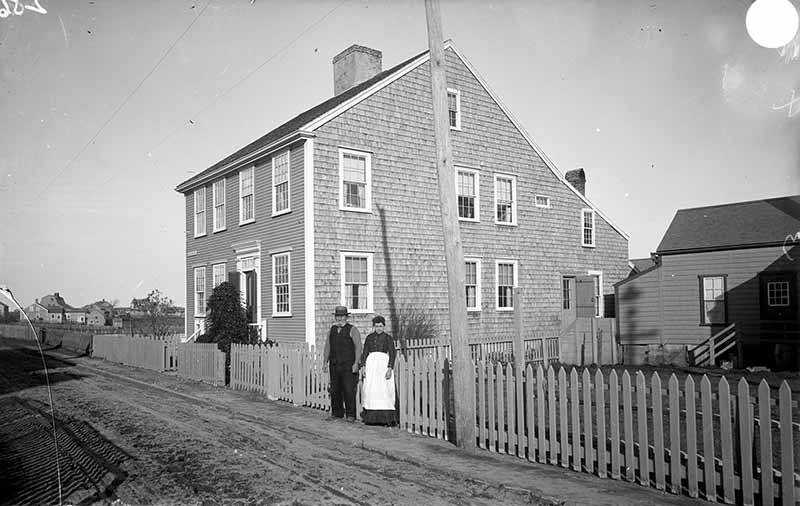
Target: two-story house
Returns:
[341, 205]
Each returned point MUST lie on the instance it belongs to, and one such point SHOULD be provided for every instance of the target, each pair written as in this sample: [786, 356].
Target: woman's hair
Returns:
[379, 319]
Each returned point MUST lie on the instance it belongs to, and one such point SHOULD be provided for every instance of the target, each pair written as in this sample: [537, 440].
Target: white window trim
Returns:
[370, 280]
[478, 302]
[288, 184]
[594, 228]
[252, 168]
[497, 281]
[214, 268]
[458, 108]
[275, 312]
[368, 178]
[601, 303]
[223, 204]
[205, 290]
[513, 178]
[253, 256]
[477, 175]
[788, 302]
[536, 202]
[198, 233]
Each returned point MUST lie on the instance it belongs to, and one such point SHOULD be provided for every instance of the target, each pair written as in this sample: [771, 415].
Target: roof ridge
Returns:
[729, 204]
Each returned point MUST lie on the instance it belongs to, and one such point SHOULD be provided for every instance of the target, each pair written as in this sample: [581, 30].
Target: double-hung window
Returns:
[712, 300]
[200, 212]
[454, 108]
[355, 180]
[199, 291]
[468, 195]
[247, 195]
[506, 277]
[356, 285]
[281, 285]
[542, 201]
[280, 184]
[218, 274]
[505, 199]
[472, 282]
[587, 228]
[219, 205]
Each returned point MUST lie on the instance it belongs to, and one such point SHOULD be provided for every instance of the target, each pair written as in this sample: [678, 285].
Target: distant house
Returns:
[717, 266]
[96, 317]
[639, 265]
[76, 316]
[36, 312]
[118, 322]
[55, 300]
[56, 314]
[340, 206]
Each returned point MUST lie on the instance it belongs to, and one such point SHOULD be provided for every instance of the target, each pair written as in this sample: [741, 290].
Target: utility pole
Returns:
[463, 386]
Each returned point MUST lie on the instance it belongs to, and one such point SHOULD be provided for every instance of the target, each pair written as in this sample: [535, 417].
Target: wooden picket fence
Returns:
[720, 450]
[539, 347]
[157, 355]
[201, 362]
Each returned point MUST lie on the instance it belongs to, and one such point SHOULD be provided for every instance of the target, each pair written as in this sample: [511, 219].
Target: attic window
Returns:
[454, 108]
[355, 192]
[542, 201]
[587, 228]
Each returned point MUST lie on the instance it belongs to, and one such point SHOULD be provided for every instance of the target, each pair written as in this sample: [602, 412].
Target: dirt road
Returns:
[130, 436]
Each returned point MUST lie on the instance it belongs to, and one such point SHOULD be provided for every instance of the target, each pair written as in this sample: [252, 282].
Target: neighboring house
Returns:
[56, 314]
[96, 317]
[134, 303]
[340, 205]
[639, 265]
[36, 312]
[55, 300]
[118, 322]
[76, 315]
[716, 265]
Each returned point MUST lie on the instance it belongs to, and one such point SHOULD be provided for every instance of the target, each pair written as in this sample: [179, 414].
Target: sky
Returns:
[107, 105]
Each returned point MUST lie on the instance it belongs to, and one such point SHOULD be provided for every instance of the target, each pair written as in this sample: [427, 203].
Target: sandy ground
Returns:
[149, 438]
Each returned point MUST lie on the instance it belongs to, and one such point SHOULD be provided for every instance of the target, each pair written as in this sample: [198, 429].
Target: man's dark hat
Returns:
[341, 311]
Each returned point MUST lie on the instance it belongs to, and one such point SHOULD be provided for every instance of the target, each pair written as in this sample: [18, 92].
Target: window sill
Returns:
[281, 213]
[505, 309]
[506, 224]
[220, 230]
[470, 220]
[247, 222]
[589, 246]
[281, 315]
[197, 236]
[356, 210]
[473, 310]
[456, 128]
[361, 311]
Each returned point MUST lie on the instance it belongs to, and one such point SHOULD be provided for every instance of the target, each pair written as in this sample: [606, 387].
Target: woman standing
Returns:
[377, 363]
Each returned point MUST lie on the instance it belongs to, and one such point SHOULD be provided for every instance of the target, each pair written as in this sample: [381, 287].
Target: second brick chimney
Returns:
[577, 178]
[355, 65]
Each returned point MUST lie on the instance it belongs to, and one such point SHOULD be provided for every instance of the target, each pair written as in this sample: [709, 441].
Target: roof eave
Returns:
[679, 251]
[203, 178]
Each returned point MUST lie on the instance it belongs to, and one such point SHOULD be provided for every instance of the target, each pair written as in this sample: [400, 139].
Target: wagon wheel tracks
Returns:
[320, 448]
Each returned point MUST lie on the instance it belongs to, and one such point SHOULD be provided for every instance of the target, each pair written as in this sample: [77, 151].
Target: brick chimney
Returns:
[577, 178]
[353, 66]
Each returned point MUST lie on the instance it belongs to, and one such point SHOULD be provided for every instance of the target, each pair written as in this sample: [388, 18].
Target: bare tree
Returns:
[156, 308]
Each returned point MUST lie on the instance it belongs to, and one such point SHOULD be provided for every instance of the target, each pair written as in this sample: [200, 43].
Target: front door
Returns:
[251, 299]
[567, 302]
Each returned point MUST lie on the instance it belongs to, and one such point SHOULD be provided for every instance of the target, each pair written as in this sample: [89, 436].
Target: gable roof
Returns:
[295, 123]
[753, 223]
[641, 264]
[326, 111]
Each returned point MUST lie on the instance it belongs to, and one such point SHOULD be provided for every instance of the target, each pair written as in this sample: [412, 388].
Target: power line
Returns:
[248, 75]
[121, 105]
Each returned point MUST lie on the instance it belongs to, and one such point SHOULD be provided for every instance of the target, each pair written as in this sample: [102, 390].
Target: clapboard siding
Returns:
[680, 292]
[639, 309]
[275, 233]
[404, 228]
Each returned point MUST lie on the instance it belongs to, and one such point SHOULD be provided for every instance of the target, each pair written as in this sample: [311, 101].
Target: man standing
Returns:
[342, 349]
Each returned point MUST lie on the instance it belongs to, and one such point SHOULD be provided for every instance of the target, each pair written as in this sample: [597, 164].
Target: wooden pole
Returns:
[454, 255]
[519, 343]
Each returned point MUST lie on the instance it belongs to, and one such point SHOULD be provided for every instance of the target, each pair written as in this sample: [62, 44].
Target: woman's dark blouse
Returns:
[383, 343]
